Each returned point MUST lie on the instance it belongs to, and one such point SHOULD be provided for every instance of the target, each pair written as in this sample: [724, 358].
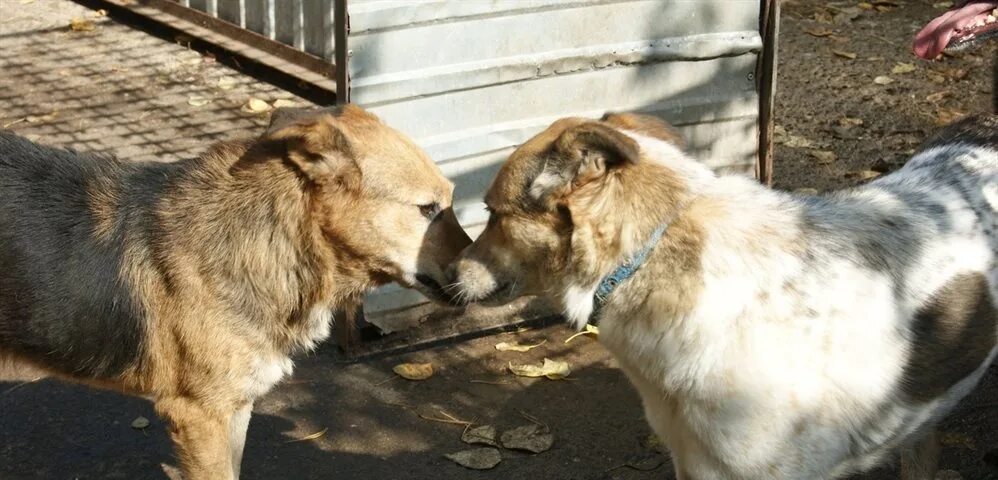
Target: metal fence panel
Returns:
[470, 80]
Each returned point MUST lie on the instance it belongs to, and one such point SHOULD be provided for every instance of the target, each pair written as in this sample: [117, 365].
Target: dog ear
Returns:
[580, 155]
[317, 147]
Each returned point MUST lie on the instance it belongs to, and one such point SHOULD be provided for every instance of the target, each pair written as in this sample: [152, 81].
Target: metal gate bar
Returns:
[226, 31]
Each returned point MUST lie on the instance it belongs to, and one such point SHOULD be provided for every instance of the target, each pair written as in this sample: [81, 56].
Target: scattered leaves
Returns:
[589, 330]
[477, 458]
[552, 369]
[140, 423]
[198, 101]
[78, 24]
[883, 80]
[309, 437]
[482, 434]
[530, 438]
[414, 371]
[255, 105]
[516, 347]
[901, 68]
[823, 156]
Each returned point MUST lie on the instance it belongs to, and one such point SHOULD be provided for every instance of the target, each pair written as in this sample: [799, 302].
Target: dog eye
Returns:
[430, 210]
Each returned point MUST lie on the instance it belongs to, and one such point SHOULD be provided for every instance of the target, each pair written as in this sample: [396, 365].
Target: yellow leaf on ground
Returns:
[900, 68]
[850, 121]
[883, 80]
[552, 369]
[198, 101]
[282, 103]
[140, 422]
[590, 330]
[516, 346]
[226, 83]
[956, 439]
[81, 25]
[823, 156]
[818, 32]
[414, 371]
[255, 105]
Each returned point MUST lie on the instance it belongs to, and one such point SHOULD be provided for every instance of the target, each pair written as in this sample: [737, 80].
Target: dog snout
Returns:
[470, 280]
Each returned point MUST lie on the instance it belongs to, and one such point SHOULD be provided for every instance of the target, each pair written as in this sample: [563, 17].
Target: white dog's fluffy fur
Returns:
[796, 362]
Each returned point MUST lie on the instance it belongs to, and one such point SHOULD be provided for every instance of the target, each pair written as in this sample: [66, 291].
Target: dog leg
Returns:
[921, 460]
[201, 438]
[237, 436]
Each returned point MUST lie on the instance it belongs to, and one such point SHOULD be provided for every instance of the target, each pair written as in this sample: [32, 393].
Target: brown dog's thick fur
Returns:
[192, 283]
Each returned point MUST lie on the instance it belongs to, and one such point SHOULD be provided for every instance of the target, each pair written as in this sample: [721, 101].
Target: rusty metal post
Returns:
[769, 25]
[341, 27]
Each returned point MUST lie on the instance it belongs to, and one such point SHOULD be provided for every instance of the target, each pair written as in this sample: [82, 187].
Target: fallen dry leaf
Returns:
[198, 101]
[529, 438]
[589, 330]
[946, 116]
[516, 347]
[483, 434]
[81, 25]
[840, 53]
[552, 369]
[255, 105]
[282, 103]
[850, 121]
[309, 437]
[863, 175]
[25, 2]
[935, 97]
[823, 156]
[900, 68]
[476, 458]
[956, 439]
[818, 32]
[226, 83]
[140, 422]
[943, 5]
[883, 80]
[414, 371]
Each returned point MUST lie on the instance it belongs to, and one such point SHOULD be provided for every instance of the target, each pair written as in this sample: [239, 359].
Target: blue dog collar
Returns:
[625, 271]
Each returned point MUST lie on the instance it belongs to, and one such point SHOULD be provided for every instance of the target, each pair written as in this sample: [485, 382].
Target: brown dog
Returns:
[192, 283]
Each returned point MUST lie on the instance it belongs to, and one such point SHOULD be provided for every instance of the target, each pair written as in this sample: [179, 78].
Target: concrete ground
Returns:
[116, 89]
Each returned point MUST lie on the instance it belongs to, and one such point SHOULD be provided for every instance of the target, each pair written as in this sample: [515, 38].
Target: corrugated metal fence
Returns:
[470, 80]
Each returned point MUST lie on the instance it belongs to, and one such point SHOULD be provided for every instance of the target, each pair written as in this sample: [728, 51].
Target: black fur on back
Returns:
[63, 301]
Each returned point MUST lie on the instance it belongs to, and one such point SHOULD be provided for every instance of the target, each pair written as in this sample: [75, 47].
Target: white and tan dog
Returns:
[771, 336]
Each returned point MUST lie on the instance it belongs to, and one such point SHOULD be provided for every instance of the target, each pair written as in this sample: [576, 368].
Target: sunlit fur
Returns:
[770, 335]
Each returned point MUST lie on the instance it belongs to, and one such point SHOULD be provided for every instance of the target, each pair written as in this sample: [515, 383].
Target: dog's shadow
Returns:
[51, 429]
